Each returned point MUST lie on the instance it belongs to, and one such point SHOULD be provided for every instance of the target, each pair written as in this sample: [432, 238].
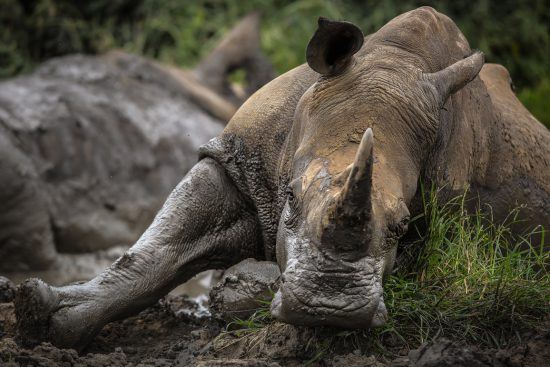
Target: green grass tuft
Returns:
[260, 318]
[469, 280]
[466, 279]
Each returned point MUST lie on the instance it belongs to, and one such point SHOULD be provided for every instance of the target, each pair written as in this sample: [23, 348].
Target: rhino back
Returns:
[519, 167]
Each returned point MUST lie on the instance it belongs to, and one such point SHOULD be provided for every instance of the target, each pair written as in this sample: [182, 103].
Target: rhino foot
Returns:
[46, 313]
[34, 303]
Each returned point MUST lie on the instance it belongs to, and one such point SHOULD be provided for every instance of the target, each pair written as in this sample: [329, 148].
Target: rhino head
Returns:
[360, 138]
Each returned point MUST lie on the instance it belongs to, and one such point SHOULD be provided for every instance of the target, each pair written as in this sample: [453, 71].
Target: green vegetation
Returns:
[537, 100]
[260, 318]
[512, 33]
[468, 279]
[465, 279]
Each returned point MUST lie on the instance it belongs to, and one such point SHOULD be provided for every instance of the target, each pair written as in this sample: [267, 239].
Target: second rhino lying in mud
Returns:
[91, 146]
[320, 170]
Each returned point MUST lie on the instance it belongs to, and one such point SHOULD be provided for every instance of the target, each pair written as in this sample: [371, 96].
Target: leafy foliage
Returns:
[513, 33]
[536, 100]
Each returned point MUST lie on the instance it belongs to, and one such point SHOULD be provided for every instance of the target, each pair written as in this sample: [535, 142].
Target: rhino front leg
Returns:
[205, 223]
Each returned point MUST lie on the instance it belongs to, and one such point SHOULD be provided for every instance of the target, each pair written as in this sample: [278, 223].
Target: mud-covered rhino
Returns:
[320, 170]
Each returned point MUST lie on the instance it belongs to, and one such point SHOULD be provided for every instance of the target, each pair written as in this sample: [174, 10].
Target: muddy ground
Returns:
[168, 334]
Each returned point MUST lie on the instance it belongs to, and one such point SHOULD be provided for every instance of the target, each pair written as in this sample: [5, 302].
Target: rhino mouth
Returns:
[341, 299]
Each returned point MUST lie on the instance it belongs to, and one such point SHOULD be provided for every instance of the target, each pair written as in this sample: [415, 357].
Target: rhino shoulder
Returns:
[250, 146]
[272, 106]
[264, 120]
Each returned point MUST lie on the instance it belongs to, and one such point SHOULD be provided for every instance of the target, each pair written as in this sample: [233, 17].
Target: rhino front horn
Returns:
[349, 222]
[356, 194]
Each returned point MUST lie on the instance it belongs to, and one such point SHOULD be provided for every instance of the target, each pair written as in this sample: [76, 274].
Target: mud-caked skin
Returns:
[320, 169]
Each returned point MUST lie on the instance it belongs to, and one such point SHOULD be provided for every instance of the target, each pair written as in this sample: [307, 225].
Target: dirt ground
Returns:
[168, 334]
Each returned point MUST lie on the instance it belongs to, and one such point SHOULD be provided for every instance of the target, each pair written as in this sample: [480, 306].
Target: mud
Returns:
[535, 352]
[7, 290]
[166, 335]
[159, 336]
[184, 330]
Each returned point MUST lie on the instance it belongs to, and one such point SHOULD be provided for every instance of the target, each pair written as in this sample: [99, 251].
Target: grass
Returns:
[535, 100]
[467, 279]
[470, 279]
[255, 322]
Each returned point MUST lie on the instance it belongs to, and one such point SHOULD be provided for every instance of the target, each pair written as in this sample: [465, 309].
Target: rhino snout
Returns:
[318, 309]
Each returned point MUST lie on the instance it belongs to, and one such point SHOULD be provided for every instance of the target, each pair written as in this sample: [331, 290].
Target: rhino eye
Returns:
[291, 198]
[290, 195]
[292, 213]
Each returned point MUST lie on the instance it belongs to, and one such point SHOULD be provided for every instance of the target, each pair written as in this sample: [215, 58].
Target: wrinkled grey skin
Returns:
[322, 173]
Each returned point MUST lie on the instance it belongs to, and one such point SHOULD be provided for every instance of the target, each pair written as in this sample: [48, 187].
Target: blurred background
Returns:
[512, 33]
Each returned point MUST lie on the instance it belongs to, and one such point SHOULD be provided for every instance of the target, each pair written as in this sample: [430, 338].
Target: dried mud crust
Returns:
[165, 335]
[162, 335]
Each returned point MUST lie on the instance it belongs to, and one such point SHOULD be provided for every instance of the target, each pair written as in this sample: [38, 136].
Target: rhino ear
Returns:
[454, 77]
[333, 45]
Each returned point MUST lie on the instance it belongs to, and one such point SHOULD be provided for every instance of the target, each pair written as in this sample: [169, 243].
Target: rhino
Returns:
[91, 146]
[320, 171]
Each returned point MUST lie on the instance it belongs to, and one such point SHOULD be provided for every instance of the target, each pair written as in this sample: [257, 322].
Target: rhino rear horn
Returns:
[333, 45]
[454, 77]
